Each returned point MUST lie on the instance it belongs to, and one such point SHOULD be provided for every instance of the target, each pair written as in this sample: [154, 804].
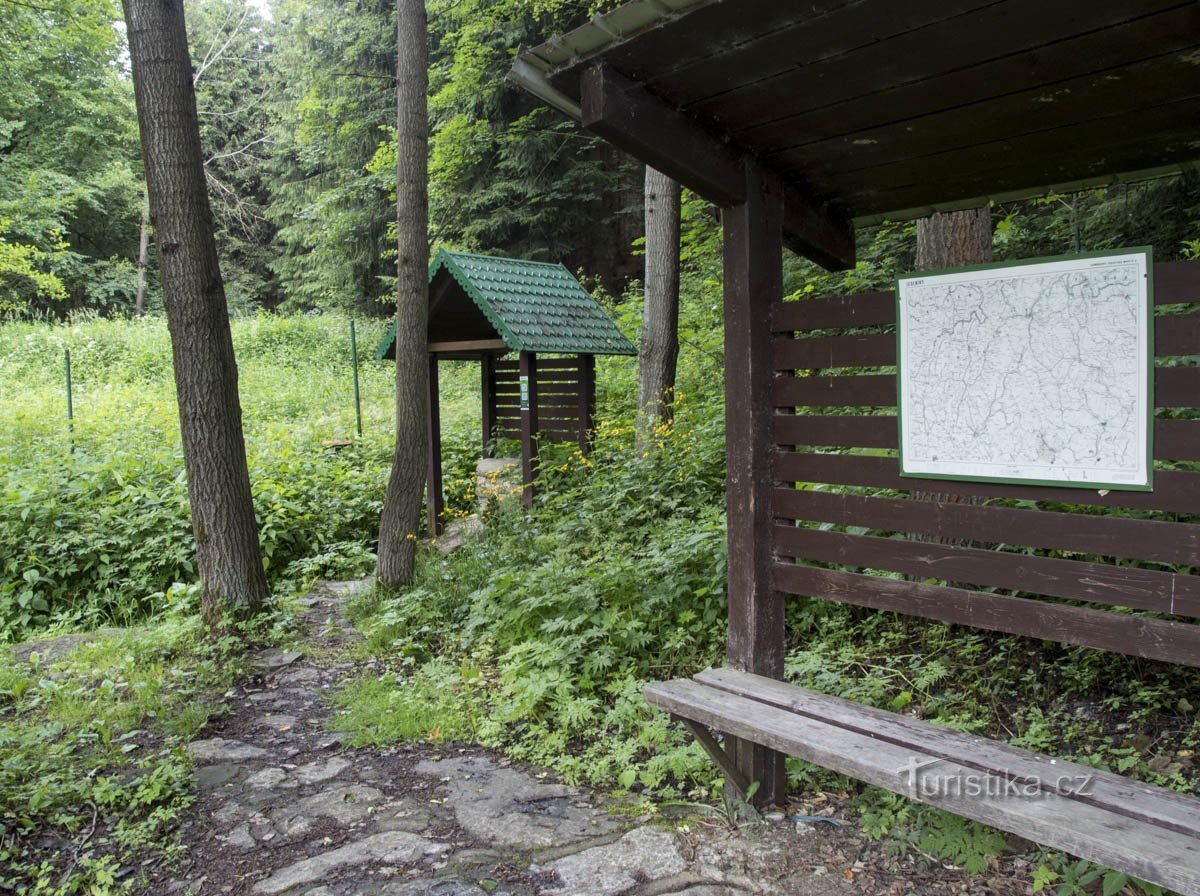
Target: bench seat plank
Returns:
[1116, 793]
[1152, 852]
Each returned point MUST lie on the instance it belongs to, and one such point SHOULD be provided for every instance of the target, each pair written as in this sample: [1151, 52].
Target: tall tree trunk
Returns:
[228, 556]
[950, 240]
[402, 506]
[660, 322]
[139, 304]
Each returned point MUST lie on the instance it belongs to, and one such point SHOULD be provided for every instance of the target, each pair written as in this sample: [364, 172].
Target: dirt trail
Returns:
[284, 808]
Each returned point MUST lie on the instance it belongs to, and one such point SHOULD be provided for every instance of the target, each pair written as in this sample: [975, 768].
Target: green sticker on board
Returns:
[524, 392]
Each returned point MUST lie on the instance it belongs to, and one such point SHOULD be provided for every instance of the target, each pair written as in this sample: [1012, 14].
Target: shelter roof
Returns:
[877, 109]
[530, 305]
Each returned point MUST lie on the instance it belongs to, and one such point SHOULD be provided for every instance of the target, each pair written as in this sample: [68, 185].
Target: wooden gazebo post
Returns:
[587, 402]
[435, 502]
[529, 424]
[488, 402]
[753, 262]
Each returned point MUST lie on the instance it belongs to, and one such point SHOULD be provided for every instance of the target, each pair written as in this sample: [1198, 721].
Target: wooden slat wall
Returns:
[559, 385]
[847, 524]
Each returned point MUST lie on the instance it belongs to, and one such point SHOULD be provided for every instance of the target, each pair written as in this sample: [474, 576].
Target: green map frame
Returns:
[1148, 485]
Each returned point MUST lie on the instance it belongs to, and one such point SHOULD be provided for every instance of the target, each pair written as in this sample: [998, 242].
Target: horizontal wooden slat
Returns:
[1148, 852]
[1177, 334]
[1139, 589]
[873, 390]
[1153, 540]
[544, 405]
[542, 364]
[837, 430]
[866, 309]
[543, 389]
[835, 351]
[1174, 491]
[1174, 387]
[1154, 639]
[1173, 439]
[1116, 793]
[1176, 282]
[552, 435]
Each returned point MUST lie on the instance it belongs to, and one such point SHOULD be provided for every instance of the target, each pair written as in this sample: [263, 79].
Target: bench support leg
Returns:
[734, 778]
[753, 264]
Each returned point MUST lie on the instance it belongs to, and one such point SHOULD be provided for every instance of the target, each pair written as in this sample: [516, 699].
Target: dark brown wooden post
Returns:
[488, 391]
[753, 232]
[434, 501]
[528, 380]
[587, 401]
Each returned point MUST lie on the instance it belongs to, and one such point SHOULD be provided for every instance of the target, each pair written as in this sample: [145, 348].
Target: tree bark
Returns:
[954, 239]
[228, 556]
[402, 505]
[139, 304]
[951, 240]
[659, 351]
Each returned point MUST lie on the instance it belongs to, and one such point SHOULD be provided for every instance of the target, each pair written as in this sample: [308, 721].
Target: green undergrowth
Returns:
[93, 535]
[93, 779]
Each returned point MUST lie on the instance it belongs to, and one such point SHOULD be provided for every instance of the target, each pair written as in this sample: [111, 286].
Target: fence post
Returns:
[354, 364]
[70, 403]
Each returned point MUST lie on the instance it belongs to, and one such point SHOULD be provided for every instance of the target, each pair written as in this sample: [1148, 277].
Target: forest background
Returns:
[535, 638]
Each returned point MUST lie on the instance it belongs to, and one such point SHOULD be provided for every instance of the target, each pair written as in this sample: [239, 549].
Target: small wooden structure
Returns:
[483, 307]
[800, 119]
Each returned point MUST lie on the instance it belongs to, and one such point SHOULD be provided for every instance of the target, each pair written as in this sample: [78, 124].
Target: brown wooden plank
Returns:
[644, 125]
[1177, 334]
[530, 426]
[835, 351]
[487, 399]
[866, 309]
[1152, 639]
[1151, 540]
[1113, 92]
[753, 265]
[1148, 852]
[743, 86]
[1176, 282]
[977, 69]
[1174, 491]
[1174, 388]
[1138, 589]
[836, 431]
[1116, 793]
[1007, 164]
[467, 345]
[873, 390]
[1173, 439]
[435, 501]
[1176, 439]
[544, 435]
[508, 392]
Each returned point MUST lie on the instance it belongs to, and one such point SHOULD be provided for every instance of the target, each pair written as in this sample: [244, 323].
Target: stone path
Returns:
[284, 808]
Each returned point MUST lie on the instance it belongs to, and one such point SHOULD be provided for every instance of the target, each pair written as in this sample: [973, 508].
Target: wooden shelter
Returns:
[801, 119]
[482, 308]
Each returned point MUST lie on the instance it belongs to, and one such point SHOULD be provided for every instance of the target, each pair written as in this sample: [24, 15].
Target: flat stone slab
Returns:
[320, 772]
[644, 854]
[274, 658]
[218, 749]
[507, 807]
[350, 802]
[390, 848]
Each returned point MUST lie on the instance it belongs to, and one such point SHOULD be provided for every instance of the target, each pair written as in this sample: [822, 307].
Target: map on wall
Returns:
[1031, 372]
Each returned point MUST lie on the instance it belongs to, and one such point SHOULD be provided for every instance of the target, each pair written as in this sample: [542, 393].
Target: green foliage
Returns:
[101, 535]
[91, 774]
[70, 193]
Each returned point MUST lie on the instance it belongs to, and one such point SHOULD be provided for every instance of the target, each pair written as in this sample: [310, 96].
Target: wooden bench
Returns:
[1144, 831]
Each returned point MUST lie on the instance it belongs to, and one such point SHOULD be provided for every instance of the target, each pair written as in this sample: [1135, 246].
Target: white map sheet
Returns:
[1037, 372]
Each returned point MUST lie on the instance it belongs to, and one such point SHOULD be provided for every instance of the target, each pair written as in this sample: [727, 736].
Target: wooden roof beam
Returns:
[647, 127]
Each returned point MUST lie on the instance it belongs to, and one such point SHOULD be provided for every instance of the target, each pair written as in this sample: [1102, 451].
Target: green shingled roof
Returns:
[535, 306]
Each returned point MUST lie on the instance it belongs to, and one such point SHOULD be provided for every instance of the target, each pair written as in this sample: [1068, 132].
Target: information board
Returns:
[1038, 372]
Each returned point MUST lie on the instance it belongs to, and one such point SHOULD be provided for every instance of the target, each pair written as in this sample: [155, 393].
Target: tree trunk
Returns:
[139, 305]
[951, 240]
[402, 506]
[954, 239]
[228, 556]
[660, 322]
